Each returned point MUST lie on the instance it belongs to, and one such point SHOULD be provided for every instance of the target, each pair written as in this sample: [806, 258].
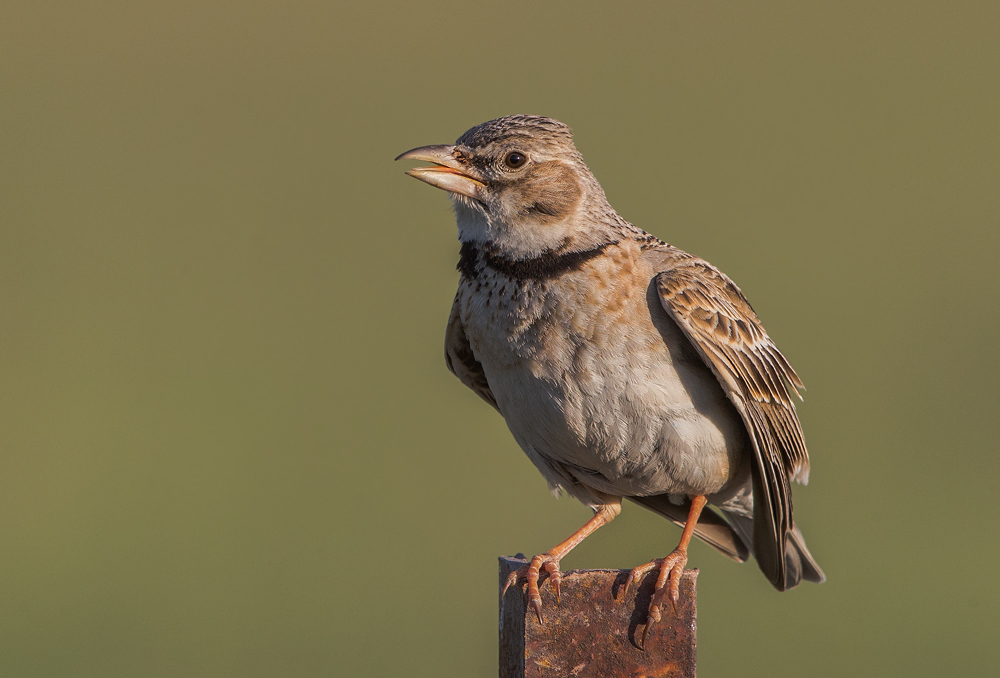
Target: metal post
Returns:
[593, 634]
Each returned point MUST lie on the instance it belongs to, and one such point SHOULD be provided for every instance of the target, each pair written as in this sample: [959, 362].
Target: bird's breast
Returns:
[587, 373]
[547, 320]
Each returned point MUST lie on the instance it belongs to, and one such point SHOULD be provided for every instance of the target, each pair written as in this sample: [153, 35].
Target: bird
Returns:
[624, 367]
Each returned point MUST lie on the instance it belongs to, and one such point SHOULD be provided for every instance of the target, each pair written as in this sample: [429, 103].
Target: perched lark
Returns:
[623, 366]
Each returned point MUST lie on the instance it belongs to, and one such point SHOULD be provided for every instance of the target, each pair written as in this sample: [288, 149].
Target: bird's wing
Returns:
[461, 361]
[719, 322]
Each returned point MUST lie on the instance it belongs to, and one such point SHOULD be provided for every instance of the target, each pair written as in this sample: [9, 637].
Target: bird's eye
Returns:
[515, 159]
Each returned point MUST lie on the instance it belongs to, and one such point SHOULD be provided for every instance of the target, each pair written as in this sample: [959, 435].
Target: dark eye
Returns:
[515, 159]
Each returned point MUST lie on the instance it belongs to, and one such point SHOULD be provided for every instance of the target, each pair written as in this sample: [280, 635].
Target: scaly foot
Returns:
[668, 584]
[530, 573]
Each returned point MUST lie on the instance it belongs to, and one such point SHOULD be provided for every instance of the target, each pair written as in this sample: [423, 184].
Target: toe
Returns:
[512, 579]
[552, 568]
[667, 586]
[674, 586]
[531, 573]
[637, 573]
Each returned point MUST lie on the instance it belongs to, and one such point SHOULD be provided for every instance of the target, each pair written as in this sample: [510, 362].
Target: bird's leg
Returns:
[549, 561]
[668, 583]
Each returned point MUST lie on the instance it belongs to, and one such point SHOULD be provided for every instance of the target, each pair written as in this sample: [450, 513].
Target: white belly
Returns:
[619, 401]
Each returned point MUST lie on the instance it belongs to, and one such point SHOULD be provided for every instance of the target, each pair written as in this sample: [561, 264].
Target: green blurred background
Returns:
[230, 446]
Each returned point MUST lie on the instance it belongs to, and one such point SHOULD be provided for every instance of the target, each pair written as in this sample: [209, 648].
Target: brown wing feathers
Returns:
[722, 325]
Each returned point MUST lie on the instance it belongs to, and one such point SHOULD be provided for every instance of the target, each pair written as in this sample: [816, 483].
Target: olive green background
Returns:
[229, 444]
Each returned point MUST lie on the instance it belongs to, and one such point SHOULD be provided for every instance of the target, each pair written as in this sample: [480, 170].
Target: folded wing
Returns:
[722, 326]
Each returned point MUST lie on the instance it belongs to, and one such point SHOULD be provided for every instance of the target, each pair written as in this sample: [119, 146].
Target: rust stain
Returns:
[594, 634]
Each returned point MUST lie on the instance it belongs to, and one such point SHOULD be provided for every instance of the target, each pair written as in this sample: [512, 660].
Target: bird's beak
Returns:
[448, 174]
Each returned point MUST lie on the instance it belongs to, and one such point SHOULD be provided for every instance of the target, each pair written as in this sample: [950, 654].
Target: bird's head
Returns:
[519, 184]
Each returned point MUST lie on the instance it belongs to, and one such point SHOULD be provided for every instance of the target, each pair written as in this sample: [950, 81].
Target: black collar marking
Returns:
[548, 265]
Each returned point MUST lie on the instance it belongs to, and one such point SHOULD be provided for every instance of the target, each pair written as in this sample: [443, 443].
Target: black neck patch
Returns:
[550, 264]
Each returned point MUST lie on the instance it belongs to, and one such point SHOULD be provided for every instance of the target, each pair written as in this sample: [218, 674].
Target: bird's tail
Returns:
[799, 563]
[732, 535]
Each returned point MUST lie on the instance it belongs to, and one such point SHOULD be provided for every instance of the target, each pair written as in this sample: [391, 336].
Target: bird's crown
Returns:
[532, 126]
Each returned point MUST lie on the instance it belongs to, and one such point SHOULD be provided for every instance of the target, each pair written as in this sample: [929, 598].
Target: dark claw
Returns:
[537, 604]
[654, 616]
[645, 630]
[512, 579]
[628, 585]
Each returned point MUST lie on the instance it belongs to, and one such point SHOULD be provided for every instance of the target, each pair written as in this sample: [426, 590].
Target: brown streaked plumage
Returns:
[624, 367]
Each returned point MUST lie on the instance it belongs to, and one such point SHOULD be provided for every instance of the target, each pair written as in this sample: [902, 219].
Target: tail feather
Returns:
[799, 563]
[796, 546]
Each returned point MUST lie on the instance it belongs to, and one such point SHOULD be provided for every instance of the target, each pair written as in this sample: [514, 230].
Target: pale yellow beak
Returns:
[449, 174]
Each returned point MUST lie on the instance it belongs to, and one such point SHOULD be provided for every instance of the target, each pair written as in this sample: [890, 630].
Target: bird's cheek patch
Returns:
[551, 191]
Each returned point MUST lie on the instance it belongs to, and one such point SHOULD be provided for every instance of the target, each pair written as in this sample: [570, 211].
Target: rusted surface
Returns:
[591, 633]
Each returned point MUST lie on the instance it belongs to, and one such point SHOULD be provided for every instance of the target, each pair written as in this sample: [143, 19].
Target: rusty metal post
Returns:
[593, 634]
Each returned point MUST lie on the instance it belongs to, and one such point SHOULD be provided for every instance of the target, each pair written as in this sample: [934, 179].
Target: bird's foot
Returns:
[530, 573]
[668, 584]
